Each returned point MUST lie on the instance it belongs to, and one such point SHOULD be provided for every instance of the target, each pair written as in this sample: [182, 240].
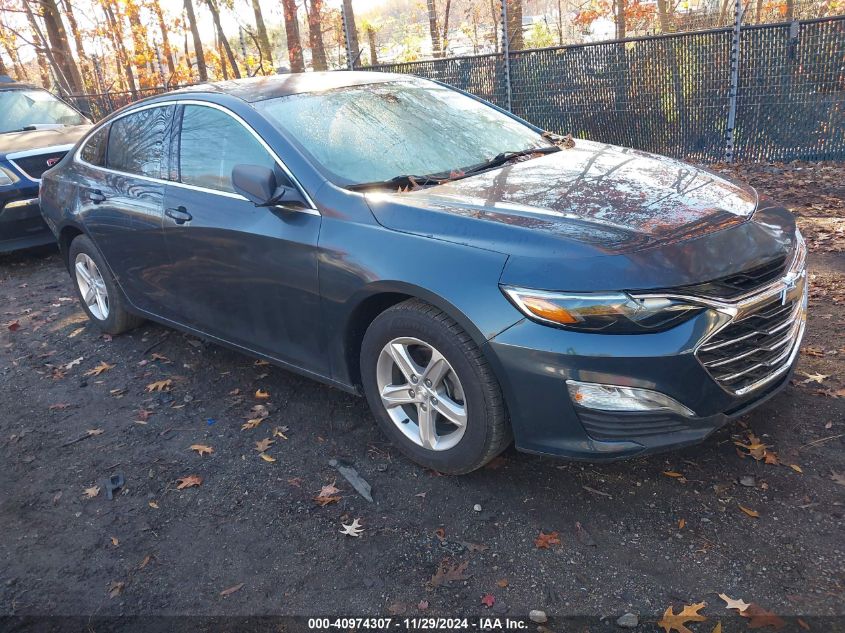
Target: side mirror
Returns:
[258, 184]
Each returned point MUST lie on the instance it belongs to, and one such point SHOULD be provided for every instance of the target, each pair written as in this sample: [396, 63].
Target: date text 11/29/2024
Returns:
[420, 624]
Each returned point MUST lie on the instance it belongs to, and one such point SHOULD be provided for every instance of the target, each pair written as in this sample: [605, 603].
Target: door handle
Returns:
[180, 215]
[96, 196]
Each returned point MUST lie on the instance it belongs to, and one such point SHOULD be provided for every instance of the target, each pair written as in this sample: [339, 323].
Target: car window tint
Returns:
[212, 143]
[94, 150]
[136, 142]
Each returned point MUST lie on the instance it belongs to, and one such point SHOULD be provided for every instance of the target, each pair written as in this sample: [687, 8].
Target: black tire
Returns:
[118, 320]
[487, 430]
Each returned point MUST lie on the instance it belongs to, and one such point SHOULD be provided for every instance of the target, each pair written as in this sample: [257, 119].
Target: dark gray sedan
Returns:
[476, 278]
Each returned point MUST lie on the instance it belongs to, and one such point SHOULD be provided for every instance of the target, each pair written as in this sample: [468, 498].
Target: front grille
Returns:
[34, 166]
[739, 284]
[749, 352]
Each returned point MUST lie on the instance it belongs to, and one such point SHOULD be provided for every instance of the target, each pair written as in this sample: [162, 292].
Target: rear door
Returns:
[122, 199]
[242, 273]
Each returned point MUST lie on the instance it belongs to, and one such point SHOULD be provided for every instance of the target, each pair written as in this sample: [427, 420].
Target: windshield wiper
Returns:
[504, 157]
[405, 180]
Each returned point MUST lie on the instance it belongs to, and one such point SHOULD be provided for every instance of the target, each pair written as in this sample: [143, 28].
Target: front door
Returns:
[244, 274]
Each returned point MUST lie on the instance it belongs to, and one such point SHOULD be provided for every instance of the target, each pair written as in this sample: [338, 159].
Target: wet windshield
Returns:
[22, 109]
[376, 132]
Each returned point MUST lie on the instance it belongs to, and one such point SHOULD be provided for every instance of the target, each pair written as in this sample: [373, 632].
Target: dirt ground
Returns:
[636, 536]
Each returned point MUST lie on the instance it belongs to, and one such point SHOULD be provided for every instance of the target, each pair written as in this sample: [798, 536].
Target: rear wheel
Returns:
[431, 389]
[101, 299]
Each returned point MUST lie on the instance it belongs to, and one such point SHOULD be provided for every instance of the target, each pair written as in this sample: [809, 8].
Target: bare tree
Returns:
[224, 42]
[59, 47]
[264, 49]
[315, 35]
[115, 29]
[297, 62]
[433, 29]
[202, 69]
[165, 39]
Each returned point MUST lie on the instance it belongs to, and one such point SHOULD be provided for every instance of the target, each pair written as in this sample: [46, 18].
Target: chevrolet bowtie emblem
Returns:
[790, 283]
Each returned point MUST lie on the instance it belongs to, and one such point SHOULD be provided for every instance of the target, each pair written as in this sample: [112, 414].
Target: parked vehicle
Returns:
[475, 278]
[36, 131]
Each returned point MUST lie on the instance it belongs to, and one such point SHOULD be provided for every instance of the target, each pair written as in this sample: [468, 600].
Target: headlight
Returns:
[613, 313]
[7, 177]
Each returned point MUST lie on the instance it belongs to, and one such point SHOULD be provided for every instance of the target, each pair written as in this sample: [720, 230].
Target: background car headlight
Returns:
[614, 313]
[7, 177]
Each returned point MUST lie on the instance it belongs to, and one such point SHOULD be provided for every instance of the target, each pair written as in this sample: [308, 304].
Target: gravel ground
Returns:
[637, 536]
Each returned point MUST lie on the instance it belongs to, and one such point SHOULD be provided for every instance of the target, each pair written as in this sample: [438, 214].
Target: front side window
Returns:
[94, 150]
[22, 110]
[211, 144]
[375, 132]
[137, 142]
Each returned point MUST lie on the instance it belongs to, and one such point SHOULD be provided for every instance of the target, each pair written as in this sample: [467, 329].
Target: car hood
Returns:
[595, 202]
[37, 139]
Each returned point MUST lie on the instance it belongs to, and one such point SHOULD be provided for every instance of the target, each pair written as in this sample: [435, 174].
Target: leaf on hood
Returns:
[543, 541]
[99, 369]
[690, 613]
[90, 493]
[264, 444]
[159, 385]
[758, 618]
[752, 513]
[201, 449]
[188, 482]
[353, 529]
[447, 573]
[730, 603]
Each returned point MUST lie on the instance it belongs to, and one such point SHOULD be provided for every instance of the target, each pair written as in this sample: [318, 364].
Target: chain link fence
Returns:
[750, 92]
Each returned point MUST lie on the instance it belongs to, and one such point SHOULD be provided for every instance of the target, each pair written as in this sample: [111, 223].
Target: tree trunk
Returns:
[559, 24]
[42, 51]
[663, 20]
[790, 10]
[494, 15]
[444, 40]
[60, 49]
[433, 30]
[19, 68]
[165, 39]
[88, 81]
[202, 69]
[371, 39]
[619, 6]
[315, 36]
[116, 30]
[297, 62]
[263, 39]
[515, 24]
[215, 14]
[352, 31]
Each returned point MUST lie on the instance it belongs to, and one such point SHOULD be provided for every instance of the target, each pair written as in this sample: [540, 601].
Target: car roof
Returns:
[11, 84]
[260, 88]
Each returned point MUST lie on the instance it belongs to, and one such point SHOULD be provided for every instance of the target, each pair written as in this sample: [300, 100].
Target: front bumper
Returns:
[21, 224]
[534, 362]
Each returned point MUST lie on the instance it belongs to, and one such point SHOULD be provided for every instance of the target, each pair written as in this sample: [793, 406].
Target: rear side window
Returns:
[94, 150]
[212, 143]
[137, 142]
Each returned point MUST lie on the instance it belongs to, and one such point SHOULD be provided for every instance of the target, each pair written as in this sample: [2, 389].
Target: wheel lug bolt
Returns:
[434, 402]
[414, 379]
[412, 393]
[423, 407]
[428, 383]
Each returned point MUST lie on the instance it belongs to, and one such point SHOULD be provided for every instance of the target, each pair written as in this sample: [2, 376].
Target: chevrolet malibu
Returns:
[480, 281]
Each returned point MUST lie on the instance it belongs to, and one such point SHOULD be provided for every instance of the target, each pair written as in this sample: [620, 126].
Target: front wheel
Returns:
[431, 389]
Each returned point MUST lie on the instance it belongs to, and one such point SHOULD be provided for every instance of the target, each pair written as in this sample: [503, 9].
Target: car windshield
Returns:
[382, 131]
[25, 109]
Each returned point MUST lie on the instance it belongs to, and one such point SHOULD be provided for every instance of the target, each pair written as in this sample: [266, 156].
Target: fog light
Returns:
[613, 398]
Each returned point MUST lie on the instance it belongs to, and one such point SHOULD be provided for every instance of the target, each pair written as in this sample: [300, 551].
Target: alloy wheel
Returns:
[92, 286]
[421, 393]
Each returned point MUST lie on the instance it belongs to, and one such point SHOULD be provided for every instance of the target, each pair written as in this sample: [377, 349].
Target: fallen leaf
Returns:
[717, 628]
[675, 475]
[251, 424]
[267, 458]
[147, 560]
[838, 478]
[449, 573]
[752, 513]
[730, 603]
[94, 432]
[440, 533]
[423, 605]
[818, 378]
[502, 583]
[264, 444]
[90, 493]
[296, 481]
[488, 600]
[201, 449]
[74, 363]
[678, 621]
[114, 541]
[397, 608]
[327, 490]
[544, 540]
[188, 482]
[262, 395]
[323, 501]
[796, 468]
[59, 407]
[261, 363]
[280, 431]
[159, 385]
[682, 524]
[153, 505]
[160, 357]
[13, 326]
[76, 332]
[99, 369]
[758, 618]
[803, 624]
[116, 588]
[231, 590]
[353, 529]
[259, 411]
